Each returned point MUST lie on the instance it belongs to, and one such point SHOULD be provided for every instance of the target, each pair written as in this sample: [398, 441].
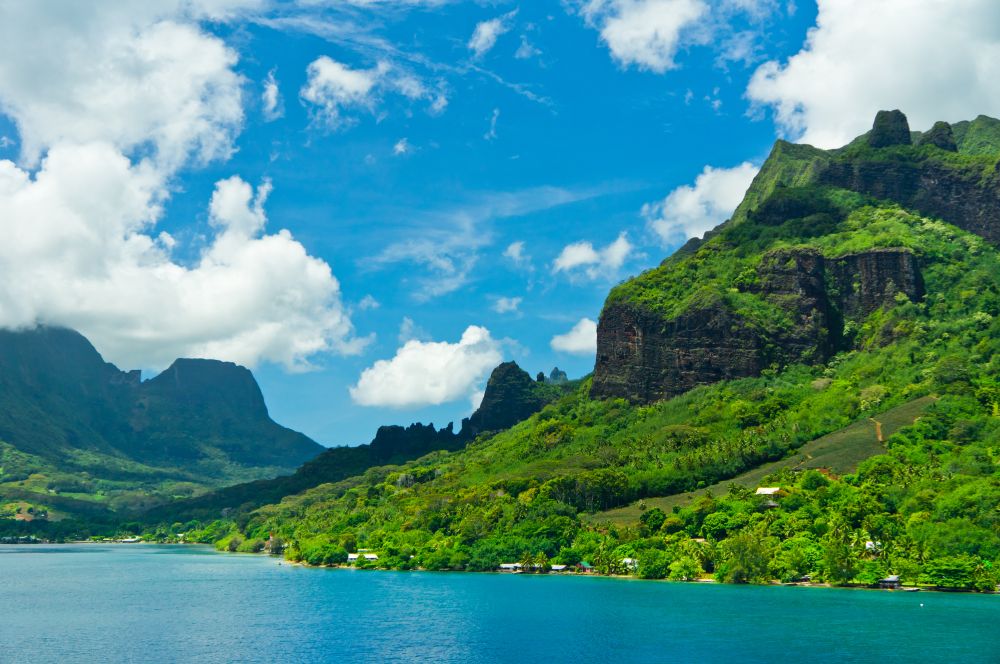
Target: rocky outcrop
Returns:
[870, 280]
[890, 128]
[967, 197]
[511, 396]
[643, 357]
[941, 136]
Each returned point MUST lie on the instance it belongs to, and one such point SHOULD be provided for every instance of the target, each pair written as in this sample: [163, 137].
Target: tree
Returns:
[685, 568]
[746, 558]
[653, 519]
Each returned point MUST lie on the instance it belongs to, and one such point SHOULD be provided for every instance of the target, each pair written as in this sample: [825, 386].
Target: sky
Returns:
[372, 203]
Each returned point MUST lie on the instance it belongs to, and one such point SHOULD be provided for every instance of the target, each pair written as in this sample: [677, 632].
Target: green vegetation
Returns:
[883, 456]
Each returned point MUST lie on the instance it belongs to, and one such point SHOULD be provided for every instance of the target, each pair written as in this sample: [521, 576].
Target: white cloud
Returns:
[402, 147]
[79, 253]
[425, 373]
[515, 253]
[595, 262]
[580, 340]
[485, 36]
[506, 305]
[272, 105]
[645, 33]
[690, 211]
[368, 303]
[135, 76]
[491, 133]
[526, 50]
[932, 60]
[114, 99]
[332, 88]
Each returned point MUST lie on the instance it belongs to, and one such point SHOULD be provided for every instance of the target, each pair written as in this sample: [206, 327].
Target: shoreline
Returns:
[625, 577]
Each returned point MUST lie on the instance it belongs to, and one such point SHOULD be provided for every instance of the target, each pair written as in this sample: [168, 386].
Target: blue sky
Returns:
[445, 171]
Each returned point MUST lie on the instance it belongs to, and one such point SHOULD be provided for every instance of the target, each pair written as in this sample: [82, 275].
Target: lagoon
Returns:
[151, 603]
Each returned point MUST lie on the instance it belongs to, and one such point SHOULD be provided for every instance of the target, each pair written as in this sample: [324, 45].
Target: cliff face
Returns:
[642, 357]
[682, 324]
[969, 199]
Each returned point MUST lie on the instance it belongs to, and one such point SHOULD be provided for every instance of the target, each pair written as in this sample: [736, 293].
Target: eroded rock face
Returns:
[890, 128]
[940, 135]
[643, 357]
[511, 396]
[967, 199]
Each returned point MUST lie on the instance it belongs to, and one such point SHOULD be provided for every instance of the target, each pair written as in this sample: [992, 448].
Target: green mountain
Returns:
[79, 436]
[510, 397]
[835, 344]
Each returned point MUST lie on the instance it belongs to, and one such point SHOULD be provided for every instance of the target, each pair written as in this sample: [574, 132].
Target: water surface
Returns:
[145, 603]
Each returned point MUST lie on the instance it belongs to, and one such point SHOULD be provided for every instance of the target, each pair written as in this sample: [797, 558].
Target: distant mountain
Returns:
[71, 423]
[511, 396]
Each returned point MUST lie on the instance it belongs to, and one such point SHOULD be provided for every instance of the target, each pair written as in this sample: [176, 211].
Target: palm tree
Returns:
[527, 562]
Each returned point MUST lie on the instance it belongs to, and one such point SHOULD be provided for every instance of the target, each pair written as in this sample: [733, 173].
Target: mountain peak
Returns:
[889, 128]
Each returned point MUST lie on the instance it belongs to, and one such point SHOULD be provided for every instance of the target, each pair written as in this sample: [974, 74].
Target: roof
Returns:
[892, 578]
[767, 490]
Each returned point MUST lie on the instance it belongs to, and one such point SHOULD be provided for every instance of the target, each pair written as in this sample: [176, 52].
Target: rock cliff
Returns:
[643, 357]
[656, 340]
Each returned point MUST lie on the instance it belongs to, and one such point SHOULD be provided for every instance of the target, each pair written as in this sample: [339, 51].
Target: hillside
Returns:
[79, 436]
[850, 285]
[511, 396]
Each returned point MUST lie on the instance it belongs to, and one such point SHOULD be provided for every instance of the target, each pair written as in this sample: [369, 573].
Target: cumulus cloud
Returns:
[115, 98]
[135, 76]
[644, 33]
[272, 105]
[79, 252]
[690, 211]
[580, 340]
[332, 87]
[933, 60]
[334, 90]
[506, 305]
[485, 36]
[583, 257]
[425, 373]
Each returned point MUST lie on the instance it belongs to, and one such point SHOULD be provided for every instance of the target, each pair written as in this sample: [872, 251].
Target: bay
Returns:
[149, 603]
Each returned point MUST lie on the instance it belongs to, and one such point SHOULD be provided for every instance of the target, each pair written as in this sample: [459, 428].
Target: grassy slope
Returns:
[840, 452]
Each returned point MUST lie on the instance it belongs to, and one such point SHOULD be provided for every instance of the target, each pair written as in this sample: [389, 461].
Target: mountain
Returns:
[75, 429]
[510, 397]
[827, 361]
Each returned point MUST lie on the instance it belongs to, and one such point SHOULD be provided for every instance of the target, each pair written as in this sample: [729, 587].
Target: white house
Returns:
[767, 490]
[352, 557]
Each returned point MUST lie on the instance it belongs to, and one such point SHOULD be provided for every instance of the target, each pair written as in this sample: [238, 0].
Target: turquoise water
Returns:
[142, 603]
